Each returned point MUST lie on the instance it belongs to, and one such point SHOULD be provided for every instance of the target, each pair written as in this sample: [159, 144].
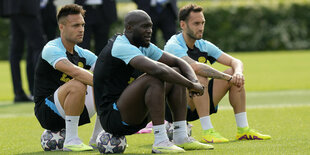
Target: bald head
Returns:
[138, 28]
[135, 16]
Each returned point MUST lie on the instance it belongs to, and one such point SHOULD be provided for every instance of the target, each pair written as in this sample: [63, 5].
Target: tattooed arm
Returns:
[205, 70]
[75, 72]
[236, 65]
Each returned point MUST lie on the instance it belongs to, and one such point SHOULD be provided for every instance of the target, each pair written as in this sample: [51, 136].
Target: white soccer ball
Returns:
[53, 141]
[108, 143]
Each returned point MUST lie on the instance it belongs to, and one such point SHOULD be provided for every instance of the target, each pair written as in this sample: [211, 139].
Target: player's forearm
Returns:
[170, 75]
[207, 71]
[187, 71]
[84, 76]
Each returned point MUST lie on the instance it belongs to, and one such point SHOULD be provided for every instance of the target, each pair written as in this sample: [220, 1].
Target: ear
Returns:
[61, 27]
[182, 24]
[129, 28]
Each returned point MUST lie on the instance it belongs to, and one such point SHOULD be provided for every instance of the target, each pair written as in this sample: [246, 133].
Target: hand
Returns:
[237, 79]
[196, 90]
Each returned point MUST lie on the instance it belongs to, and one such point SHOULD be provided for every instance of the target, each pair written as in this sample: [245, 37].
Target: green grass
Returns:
[282, 114]
[278, 103]
[268, 71]
[264, 71]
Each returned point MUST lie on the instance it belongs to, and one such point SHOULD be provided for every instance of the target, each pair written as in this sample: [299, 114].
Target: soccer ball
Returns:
[53, 141]
[169, 129]
[108, 143]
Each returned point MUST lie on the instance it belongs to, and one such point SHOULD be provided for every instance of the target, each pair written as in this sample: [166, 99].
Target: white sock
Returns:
[97, 129]
[160, 133]
[179, 132]
[72, 123]
[241, 120]
[206, 122]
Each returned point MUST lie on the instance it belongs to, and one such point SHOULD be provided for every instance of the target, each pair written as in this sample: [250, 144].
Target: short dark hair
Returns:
[71, 9]
[186, 10]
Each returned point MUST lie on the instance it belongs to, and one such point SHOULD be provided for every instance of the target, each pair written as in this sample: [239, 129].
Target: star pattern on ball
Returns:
[109, 148]
[123, 142]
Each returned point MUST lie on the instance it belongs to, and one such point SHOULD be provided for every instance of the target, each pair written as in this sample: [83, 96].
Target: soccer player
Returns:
[190, 46]
[124, 105]
[63, 96]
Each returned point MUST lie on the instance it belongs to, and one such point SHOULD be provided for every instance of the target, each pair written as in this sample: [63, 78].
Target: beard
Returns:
[74, 40]
[191, 34]
[145, 44]
[138, 40]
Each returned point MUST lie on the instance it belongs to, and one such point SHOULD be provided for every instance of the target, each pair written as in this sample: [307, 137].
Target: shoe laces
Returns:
[165, 143]
[190, 139]
[248, 130]
[213, 133]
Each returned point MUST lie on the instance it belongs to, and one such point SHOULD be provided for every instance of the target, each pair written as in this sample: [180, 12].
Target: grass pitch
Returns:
[278, 104]
[282, 114]
[264, 71]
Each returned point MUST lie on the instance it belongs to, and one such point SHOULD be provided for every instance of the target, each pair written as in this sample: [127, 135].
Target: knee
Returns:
[76, 86]
[155, 83]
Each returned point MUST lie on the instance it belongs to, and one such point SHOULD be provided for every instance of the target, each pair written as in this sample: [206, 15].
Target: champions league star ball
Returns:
[108, 143]
[53, 141]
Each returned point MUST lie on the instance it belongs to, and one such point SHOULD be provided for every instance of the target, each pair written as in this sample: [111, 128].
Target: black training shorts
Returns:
[48, 117]
[111, 122]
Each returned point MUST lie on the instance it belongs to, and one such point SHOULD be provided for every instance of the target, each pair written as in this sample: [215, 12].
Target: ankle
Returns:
[73, 141]
[243, 129]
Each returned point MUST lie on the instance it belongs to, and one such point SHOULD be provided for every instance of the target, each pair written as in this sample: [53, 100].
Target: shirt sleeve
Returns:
[212, 50]
[175, 49]
[88, 55]
[152, 52]
[125, 52]
[53, 54]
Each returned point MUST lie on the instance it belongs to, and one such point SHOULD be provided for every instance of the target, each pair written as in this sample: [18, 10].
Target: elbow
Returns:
[159, 71]
[240, 62]
[237, 62]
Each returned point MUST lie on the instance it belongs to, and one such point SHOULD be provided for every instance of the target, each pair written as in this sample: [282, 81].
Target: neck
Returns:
[68, 45]
[190, 42]
[129, 37]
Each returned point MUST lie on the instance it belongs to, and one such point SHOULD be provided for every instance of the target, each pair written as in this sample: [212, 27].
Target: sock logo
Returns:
[69, 120]
[156, 132]
[176, 127]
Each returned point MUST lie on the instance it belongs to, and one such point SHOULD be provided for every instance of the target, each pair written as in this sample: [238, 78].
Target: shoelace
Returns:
[165, 143]
[190, 139]
[214, 133]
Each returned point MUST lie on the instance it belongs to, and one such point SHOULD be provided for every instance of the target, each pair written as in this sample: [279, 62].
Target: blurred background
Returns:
[232, 25]
[235, 26]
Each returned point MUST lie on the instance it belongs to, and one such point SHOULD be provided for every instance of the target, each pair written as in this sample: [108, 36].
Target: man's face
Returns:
[73, 28]
[194, 26]
[142, 32]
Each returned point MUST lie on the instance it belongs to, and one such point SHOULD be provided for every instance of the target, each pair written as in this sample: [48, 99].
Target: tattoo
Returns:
[208, 71]
[65, 61]
[189, 60]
